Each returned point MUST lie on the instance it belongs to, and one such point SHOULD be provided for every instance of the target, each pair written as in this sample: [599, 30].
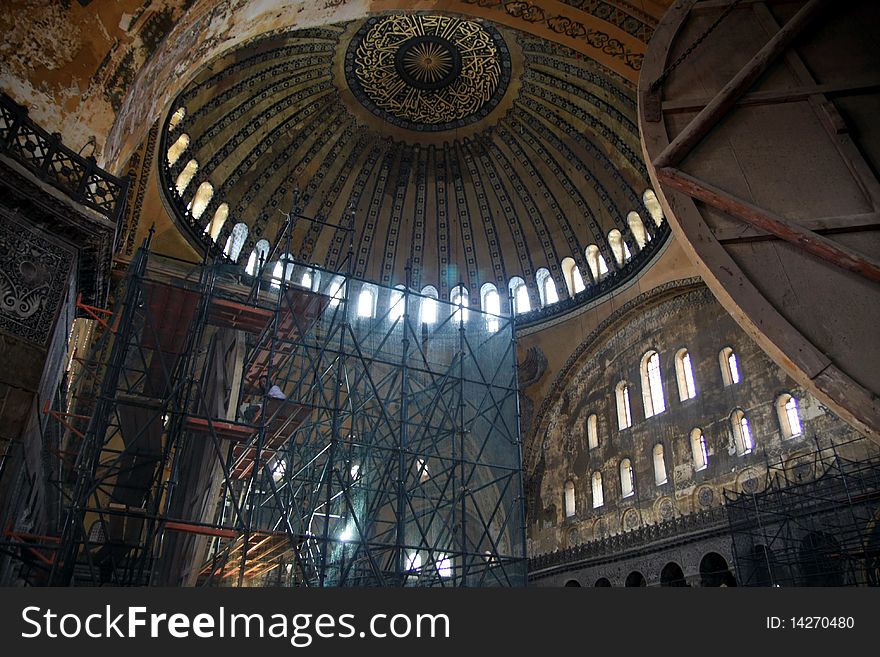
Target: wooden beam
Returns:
[190, 528]
[782, 228]
[771, 96]
[703, 122]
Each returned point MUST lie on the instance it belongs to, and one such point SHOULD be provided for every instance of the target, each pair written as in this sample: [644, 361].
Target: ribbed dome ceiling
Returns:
[532, 157]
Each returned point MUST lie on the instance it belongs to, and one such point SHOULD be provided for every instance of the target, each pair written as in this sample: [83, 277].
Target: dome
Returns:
[461, 152]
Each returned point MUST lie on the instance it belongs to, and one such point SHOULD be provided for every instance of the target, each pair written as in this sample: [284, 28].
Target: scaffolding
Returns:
[817, 523]
[292, 426]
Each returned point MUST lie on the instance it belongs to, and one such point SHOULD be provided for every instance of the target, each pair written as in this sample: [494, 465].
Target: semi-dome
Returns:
[474, 153]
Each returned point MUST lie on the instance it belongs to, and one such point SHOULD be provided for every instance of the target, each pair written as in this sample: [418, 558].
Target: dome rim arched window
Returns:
[574, 281]
[428, 305]
[520, 294]
[547, 291]
[460, 301]
[235, 241]
[367, 300]
[490, 303]
[652, 205]
[397, 303]
[258, 254]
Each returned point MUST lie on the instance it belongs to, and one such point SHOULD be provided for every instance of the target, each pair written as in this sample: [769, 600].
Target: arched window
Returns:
[176, 149]
[573, 279]
[236, 240]
[444, 565]
[283, 270]
[598, 266]
[652, 384]
[459, 298]
[201, 199]
[624, 415]
[185, 176]
[367, 300]
[216, 224]
[257, 257]
[699, 450]
[569, 501]
[627, 478]
[684, 375]
[742, 433]
[637, 228]
[490, 301]
[789, 419]
[652, 204]
[729, 366]
[397, 303]
[659, 465]
[520, 294]
[310, 279]
[336, 290]
[598, 495]
[428, 313]
[618, 247]
[546, 287]
[593, 431]
[177, 117]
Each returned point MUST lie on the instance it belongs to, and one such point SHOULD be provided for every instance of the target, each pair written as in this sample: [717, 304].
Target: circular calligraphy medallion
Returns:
[427, 72]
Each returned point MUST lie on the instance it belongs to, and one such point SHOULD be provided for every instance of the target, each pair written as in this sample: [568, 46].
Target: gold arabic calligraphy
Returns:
[428, 62]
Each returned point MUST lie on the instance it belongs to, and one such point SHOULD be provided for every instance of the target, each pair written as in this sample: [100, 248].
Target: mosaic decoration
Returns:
[425, 72]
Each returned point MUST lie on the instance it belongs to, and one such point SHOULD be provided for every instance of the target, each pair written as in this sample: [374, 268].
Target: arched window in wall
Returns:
[546, 287]
[201, 199]
[592, 431]
[258, 257]
[283, 270]
[520, 294]
[598, 494]
[789, 418]
[742, 432]
[659, 465]
[490, 302]
[699, 451]
[627, 478]
[177, 118]
[367, 300]
[729, 366]
[598, 266]
[573, 279]
[397, 303]
[336, 291]
[310, 279]
[177, 148]
[236, 240]
[186, 176]
[652, 384]
[428, 311]
[459, 298]
[652, 204]
[624, 414]
[618, 247]
[569, 499]
[637, 228]
[216, 224]
[684, 375]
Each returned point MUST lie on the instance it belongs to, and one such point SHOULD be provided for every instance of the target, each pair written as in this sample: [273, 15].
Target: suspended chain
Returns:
[655, 85]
